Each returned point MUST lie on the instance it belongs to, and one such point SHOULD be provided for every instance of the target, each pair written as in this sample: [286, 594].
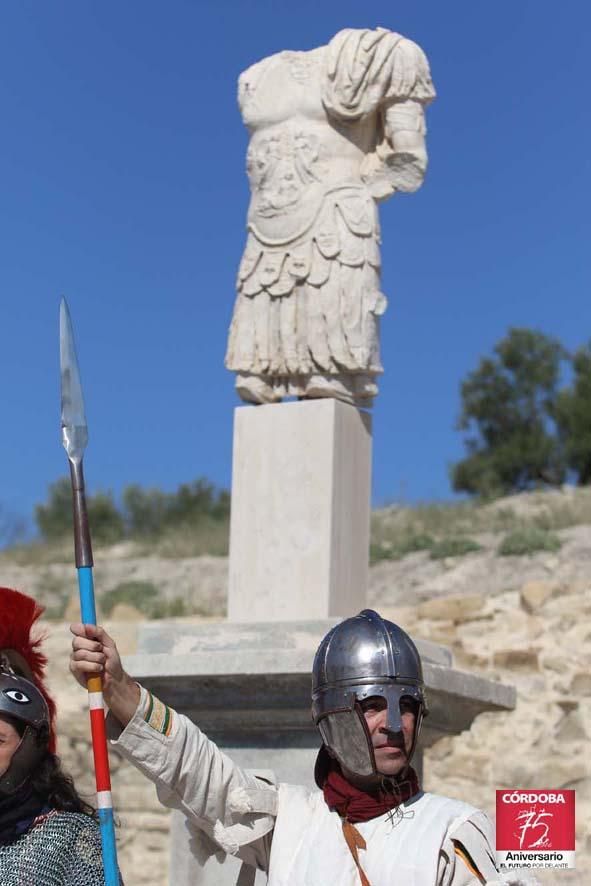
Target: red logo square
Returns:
[535, 828]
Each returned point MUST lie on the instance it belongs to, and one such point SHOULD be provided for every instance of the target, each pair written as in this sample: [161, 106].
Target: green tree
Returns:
[573, 415]
[508, 409]
[106, 522]
[54, 518]
[145, 509]
[199, 499]
[191, 502]
[150, 511]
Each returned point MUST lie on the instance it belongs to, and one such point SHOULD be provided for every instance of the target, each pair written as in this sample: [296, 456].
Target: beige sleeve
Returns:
[232, 806]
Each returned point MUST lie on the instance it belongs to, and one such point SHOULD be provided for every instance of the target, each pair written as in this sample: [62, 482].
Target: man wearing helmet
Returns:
[369, 822]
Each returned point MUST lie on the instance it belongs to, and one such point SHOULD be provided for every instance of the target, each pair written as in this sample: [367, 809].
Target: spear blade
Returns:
[73, 416]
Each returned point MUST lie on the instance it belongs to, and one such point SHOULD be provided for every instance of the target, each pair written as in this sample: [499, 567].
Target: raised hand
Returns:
[95, 654]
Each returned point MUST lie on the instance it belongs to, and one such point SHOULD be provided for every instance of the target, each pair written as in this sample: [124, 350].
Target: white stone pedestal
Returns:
[299, 530]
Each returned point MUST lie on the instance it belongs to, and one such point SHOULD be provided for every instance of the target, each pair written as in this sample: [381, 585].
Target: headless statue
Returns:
[333, 131]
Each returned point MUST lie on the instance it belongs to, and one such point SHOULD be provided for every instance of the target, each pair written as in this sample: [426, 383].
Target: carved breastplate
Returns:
[288, 181]
[296, 154]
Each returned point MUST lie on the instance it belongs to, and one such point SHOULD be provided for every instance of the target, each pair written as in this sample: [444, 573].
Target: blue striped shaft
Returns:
[107, 825]
[104, 800]
[86, 588]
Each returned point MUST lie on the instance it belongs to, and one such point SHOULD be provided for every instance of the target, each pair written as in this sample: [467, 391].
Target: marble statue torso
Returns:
[332, 131]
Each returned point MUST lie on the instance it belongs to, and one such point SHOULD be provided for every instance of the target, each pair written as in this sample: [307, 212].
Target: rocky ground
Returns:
[522, 620]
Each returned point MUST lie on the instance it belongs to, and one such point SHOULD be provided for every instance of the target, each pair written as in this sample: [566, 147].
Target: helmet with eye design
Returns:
[21, 701]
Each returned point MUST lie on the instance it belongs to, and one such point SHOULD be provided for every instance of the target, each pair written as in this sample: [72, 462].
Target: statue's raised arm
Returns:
[333, 131]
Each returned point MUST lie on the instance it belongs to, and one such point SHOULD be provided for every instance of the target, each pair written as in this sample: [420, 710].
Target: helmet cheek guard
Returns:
[21, 700]
[26, 758]
[345, 734]
[364, 657]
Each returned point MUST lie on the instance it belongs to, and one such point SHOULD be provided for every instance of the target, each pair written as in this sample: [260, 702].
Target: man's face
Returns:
[391, 750]
[9, 742]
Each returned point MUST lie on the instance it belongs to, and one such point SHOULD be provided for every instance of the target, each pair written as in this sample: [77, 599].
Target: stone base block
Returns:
[299, 532]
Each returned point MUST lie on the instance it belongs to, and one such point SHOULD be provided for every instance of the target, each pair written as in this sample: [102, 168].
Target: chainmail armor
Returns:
[62, 849]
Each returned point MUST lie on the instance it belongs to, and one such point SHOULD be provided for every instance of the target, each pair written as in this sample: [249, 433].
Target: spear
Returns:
[75, 438]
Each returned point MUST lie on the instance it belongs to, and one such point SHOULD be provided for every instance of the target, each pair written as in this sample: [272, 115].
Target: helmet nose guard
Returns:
[393, 714]
[362, 657]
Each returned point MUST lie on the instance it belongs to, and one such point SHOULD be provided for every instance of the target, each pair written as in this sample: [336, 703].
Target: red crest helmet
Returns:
[20, 642]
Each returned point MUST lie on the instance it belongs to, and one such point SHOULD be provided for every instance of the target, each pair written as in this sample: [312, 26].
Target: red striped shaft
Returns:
[99, 734]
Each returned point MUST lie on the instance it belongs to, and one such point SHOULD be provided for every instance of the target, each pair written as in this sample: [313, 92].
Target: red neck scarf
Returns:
[355, 805]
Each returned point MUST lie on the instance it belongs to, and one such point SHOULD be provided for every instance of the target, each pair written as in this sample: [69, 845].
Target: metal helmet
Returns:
[361, 657]
[22, 701]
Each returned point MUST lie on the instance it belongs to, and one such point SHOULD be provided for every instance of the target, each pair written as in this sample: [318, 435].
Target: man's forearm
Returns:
[122, 698]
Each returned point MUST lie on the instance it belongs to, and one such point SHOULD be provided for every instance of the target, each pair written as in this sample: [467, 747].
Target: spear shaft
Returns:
[75, 437]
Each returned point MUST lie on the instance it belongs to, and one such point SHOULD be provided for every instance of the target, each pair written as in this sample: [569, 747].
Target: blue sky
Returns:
[123, 187]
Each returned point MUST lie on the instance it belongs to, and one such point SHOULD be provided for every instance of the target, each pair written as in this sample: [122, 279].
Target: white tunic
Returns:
[289, 831]
[308, 846]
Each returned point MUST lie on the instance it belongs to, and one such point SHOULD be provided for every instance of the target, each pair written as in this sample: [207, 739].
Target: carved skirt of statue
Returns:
[306, 317]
